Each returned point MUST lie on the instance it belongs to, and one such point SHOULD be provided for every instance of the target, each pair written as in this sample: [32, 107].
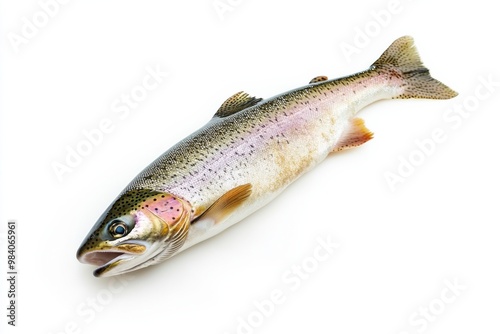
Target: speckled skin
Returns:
[267, 145]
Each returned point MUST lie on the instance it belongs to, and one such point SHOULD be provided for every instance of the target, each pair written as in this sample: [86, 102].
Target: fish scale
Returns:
[258, 132]
[248, 153]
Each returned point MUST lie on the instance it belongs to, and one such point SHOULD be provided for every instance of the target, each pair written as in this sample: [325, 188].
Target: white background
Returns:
[398, 248]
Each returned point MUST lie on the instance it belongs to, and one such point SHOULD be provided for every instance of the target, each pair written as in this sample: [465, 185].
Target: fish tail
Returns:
[418, 83]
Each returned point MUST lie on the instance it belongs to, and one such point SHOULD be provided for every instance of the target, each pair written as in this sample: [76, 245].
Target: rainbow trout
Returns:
[248, 153]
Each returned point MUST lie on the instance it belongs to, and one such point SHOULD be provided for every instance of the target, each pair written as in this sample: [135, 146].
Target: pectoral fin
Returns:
[355, 135]
[226, 204]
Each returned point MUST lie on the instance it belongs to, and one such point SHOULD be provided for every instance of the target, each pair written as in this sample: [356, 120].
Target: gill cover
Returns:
[142, 227]
[175, 217]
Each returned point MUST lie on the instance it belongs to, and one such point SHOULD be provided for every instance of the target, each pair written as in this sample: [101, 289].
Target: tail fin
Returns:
[419, 84]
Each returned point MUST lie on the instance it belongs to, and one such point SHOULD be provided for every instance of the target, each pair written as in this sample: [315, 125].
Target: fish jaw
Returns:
[118, 256]
[156, 223]
[121, 263]
[111, 260]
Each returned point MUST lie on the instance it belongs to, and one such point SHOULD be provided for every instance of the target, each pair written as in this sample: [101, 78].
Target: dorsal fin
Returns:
[235, 103]
[318, 79]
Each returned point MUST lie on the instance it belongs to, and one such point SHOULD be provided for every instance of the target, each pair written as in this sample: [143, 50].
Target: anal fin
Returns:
[356, 134]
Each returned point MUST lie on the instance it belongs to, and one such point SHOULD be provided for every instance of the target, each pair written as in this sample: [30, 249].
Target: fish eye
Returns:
[118, 229]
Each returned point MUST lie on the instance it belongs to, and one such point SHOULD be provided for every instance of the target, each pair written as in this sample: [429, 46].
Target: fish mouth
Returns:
[100, 258]
[109, 259]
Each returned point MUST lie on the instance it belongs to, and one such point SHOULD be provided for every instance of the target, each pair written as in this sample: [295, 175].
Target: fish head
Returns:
[140, 228]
